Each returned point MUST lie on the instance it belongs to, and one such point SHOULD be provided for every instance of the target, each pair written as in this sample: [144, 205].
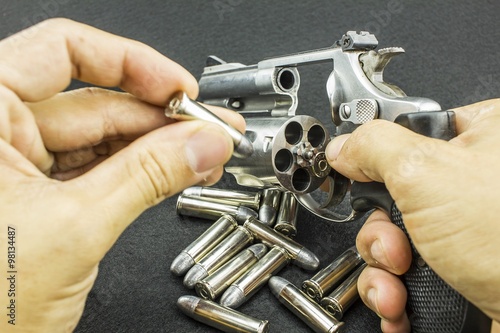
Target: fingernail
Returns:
[378, 253]
[335, 146]
[207, 149]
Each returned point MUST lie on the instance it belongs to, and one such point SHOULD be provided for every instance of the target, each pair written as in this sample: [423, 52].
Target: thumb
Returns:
[152, 168]
[387, 152]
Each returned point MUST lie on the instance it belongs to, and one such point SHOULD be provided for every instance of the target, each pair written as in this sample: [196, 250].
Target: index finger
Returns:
[38, 63]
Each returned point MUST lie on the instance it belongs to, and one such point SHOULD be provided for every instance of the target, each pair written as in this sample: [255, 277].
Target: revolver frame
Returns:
[267, 93]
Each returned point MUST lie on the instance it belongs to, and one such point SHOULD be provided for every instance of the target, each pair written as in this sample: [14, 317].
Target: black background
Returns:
[451, 56]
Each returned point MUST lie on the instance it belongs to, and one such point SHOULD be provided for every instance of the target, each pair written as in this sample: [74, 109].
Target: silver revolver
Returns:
[289, 149]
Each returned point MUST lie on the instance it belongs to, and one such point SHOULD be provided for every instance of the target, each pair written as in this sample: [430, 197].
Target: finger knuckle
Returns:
[158, 179]
[58, 23]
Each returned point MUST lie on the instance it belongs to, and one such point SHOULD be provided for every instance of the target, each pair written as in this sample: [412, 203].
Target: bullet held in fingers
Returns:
[181, 107]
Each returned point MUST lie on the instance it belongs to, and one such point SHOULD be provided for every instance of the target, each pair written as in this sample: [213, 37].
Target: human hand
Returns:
[448, 194]
[78, 167]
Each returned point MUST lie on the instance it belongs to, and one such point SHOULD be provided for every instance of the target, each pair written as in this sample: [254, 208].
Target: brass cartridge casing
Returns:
[286, 223]
[329, 277]
[211, 210]
[213, 285]
[310, 312]
[218, 256]
[344, 295]
[229, 197]
[203, 244]
[222, 318]
[250, 282]
[301, 256]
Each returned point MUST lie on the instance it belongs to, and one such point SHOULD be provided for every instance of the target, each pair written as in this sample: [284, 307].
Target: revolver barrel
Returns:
[251, 88]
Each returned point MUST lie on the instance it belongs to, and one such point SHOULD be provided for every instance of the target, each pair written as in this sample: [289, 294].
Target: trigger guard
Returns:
[337, 190]
[308, 202]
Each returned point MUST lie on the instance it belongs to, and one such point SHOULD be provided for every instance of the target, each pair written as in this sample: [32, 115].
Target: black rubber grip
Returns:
[433, 306]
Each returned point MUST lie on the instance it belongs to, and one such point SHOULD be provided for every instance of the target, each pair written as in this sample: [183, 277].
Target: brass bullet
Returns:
[326, 279]
[215, 284]
[203, 244]
[219, 317]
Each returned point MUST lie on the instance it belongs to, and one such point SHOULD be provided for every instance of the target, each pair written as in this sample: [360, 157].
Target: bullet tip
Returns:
[187, 304]
[307, 260]
[267, 214]
[244, 148]
[244, 213]
[193, 191]
[277, 284]
[195, 274]
[233, 297]
[258, 250]
[181, 264]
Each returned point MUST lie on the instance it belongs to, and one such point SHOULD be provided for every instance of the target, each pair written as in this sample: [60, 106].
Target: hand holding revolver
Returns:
[449, 201]
[359, 95]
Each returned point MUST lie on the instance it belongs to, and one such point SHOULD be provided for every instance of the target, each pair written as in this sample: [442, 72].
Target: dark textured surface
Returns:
[451, 56]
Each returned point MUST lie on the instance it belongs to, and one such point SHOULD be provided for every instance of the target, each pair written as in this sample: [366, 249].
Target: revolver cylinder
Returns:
[289, 152]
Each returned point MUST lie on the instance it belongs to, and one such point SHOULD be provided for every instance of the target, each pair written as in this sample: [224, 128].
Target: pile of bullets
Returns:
[223, 264]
